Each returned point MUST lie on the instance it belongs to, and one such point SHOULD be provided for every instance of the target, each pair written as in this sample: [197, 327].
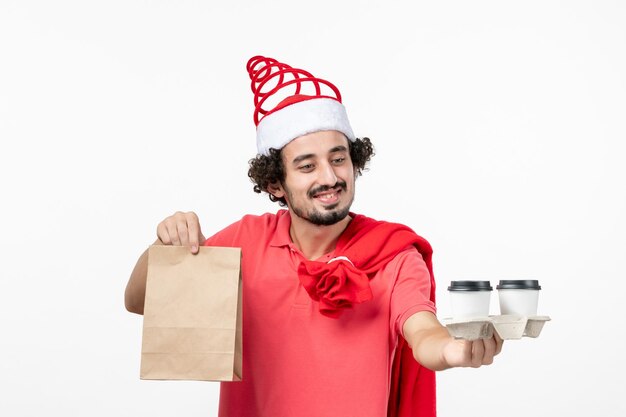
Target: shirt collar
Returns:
[281, 236]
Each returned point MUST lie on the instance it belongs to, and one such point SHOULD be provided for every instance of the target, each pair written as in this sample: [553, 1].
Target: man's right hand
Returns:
[181, 229]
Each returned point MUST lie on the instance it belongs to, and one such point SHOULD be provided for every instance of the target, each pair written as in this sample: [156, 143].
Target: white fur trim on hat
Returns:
[277, 129]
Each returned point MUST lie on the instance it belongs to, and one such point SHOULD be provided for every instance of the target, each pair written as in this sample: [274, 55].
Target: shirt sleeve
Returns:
[411, 291]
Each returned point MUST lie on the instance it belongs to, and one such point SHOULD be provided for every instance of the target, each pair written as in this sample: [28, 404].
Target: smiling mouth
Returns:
[328, 197]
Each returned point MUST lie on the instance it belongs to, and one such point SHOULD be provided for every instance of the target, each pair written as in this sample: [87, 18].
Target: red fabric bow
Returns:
[369, 245]
[336, 285]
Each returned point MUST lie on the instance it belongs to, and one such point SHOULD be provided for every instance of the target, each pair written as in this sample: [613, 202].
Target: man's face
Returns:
[319, 177]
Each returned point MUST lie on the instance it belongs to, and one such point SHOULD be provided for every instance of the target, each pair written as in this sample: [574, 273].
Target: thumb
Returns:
[195, 247]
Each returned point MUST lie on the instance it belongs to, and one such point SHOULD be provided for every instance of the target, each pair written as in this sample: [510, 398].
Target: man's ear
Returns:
[276, 189]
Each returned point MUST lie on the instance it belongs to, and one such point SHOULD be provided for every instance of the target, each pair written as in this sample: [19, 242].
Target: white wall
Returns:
[499, 129]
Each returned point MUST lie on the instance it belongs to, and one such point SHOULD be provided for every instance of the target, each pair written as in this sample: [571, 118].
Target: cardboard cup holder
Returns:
[507, 326]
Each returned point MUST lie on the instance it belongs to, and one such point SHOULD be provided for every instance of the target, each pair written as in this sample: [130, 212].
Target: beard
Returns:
[331, 214]
[322, 219]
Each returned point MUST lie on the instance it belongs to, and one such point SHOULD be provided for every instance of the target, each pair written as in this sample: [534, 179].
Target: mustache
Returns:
[340, 184]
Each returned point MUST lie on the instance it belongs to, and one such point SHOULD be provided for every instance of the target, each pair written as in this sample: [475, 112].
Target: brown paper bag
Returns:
[192, 314]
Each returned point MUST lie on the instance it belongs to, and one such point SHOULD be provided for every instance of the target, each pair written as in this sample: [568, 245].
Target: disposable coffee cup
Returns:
[469, 299]
[518, 296]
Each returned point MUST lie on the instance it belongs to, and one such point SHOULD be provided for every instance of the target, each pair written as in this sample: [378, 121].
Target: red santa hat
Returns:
[307, 104]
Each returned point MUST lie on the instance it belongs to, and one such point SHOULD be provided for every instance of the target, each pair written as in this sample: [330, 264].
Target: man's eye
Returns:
[338, 160]
[306, 167]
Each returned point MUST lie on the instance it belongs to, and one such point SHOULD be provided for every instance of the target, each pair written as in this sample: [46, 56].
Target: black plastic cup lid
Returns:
[470, 286]
[518, 284]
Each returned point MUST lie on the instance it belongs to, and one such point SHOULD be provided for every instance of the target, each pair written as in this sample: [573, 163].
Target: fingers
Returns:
[471, 353]
[481, 352]
[163, 234]
[499, 343]
[194, 234]
[478, 353]
[181, 238]
[181, 229]
[489, 352]
[468, 348]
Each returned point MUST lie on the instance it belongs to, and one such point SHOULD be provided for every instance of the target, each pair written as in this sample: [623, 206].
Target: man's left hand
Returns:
[475, 353]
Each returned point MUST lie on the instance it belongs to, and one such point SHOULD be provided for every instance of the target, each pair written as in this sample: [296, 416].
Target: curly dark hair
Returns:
[268, 169]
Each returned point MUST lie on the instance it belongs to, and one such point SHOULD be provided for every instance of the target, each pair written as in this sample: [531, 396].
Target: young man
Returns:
[333, 301]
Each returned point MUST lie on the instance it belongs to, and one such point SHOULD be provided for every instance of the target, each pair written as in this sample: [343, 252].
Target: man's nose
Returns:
[327, 175]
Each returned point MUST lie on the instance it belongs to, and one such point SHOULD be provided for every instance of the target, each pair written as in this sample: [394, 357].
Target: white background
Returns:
[499, 129]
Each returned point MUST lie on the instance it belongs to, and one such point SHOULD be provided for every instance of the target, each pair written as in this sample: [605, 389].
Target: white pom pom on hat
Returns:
[298, 114]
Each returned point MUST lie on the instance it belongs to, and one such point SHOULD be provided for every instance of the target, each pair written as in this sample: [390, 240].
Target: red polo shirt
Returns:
[297, 362]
